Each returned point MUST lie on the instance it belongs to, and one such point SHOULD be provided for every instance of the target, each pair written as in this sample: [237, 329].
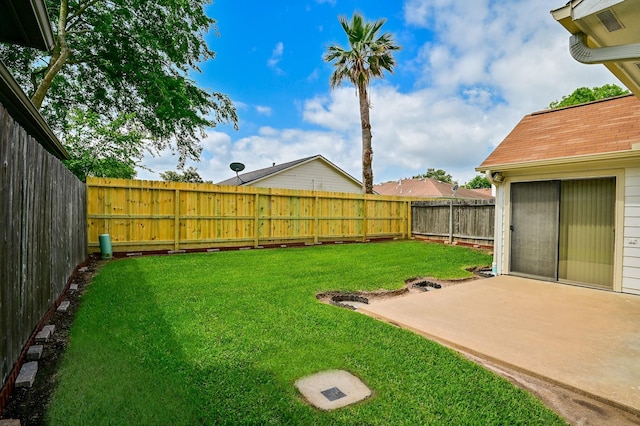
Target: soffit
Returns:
[26, 23]
[24, 112]
[607, 23]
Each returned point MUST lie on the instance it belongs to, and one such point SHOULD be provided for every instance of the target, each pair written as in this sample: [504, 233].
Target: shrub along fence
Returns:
[454, 220]
[157, 216]
[43, 238]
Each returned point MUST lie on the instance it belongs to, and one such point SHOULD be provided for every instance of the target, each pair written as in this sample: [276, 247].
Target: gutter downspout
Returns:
[494, 177]
[581, 52]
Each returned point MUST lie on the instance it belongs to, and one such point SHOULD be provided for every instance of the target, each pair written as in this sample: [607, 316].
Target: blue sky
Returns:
[467, 73]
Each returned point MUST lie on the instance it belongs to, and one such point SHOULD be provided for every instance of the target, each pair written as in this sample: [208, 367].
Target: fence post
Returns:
[256, 222]
[365, 222]
[316, 220]
[408, 220]
[450, 221]
[176, 221]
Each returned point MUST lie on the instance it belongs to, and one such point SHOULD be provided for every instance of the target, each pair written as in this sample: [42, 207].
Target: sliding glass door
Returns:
[534, 229]
[587, 231]
[564, 230]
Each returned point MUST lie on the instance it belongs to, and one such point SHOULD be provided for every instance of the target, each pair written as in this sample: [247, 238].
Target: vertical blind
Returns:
[587, 231]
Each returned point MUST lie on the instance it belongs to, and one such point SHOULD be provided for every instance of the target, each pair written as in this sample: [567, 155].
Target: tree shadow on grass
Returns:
[125, 365]
[142, 352]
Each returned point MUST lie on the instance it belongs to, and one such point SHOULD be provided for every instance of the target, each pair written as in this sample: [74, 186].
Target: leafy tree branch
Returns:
[131, 57]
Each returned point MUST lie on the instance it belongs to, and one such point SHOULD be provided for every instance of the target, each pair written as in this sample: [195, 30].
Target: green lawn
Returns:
[220, 338]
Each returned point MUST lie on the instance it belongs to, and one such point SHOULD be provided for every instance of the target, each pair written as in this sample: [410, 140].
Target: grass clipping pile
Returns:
[29, 405]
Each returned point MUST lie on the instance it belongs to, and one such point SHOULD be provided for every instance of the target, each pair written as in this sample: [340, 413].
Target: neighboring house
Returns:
[429, 188]
[568, 195]
[605, 32]
[312, 173]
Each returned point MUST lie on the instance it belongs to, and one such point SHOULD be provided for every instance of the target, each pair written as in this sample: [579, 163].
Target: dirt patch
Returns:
[412, 285]
[29, 404]
[575, 407]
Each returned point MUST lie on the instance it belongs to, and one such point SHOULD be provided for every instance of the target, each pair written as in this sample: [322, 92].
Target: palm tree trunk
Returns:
[367, 152]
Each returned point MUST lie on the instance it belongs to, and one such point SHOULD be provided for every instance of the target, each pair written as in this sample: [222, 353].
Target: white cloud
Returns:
[280, 146]
[416, 12]
[489, 64]
[276, 57]
[337, 111]
[315, 74]
[264, 110]
[159, 163]
[516, 48]
[269, 146]
[414, 131]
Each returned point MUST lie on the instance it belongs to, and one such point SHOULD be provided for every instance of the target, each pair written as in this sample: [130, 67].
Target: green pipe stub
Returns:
[105, 246]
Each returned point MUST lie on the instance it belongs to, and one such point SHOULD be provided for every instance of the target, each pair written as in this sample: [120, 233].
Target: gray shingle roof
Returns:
[262, 173]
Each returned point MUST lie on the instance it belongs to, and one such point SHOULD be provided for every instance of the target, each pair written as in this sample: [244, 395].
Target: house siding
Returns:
[315, 175]
[631, 250]
[499, 244]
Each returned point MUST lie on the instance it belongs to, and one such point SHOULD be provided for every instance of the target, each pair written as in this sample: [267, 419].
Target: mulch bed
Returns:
[29, 404]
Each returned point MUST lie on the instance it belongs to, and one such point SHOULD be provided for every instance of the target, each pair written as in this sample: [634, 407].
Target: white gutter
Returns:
[587, 55]
[630, 156]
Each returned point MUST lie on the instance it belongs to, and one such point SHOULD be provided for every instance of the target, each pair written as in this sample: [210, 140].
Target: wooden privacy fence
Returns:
[151, 215]
[470, 221]
[42, 239]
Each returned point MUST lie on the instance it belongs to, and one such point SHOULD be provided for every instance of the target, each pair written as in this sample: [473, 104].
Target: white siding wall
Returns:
[315, 175]
[499, 243]
[631, 253]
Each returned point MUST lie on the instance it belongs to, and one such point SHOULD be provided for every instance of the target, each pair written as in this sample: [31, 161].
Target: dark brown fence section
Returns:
[43, 236]
[454, 221]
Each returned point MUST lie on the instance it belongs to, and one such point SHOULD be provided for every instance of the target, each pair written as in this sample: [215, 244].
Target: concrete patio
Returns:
[584, 339]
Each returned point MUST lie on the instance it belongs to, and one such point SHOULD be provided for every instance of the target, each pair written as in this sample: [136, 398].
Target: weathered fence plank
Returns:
[43, 236]
[470, 221]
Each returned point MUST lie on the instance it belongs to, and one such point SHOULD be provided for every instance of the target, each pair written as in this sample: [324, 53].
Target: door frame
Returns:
[618, 174]
[551, 192]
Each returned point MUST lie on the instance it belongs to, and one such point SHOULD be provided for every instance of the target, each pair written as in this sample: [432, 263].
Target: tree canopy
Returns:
[585, 94]
[188, 175]
[478, 182]
[127, 58]
[369, 56]
[103, 148]
[439, 175]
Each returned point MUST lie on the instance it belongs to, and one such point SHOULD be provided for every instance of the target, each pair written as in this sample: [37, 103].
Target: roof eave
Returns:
[27, 24]
[43, 24]
[565, 16]
[275, 173]
[310, 159]
[24, 112]
[632, 156]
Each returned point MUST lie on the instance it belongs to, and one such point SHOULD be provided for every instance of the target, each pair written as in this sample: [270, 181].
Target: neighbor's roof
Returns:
[427, 188]
[606, 126]
[256, 175]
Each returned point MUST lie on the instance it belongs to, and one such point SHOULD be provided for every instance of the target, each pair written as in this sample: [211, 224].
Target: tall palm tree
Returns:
[369, 56]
